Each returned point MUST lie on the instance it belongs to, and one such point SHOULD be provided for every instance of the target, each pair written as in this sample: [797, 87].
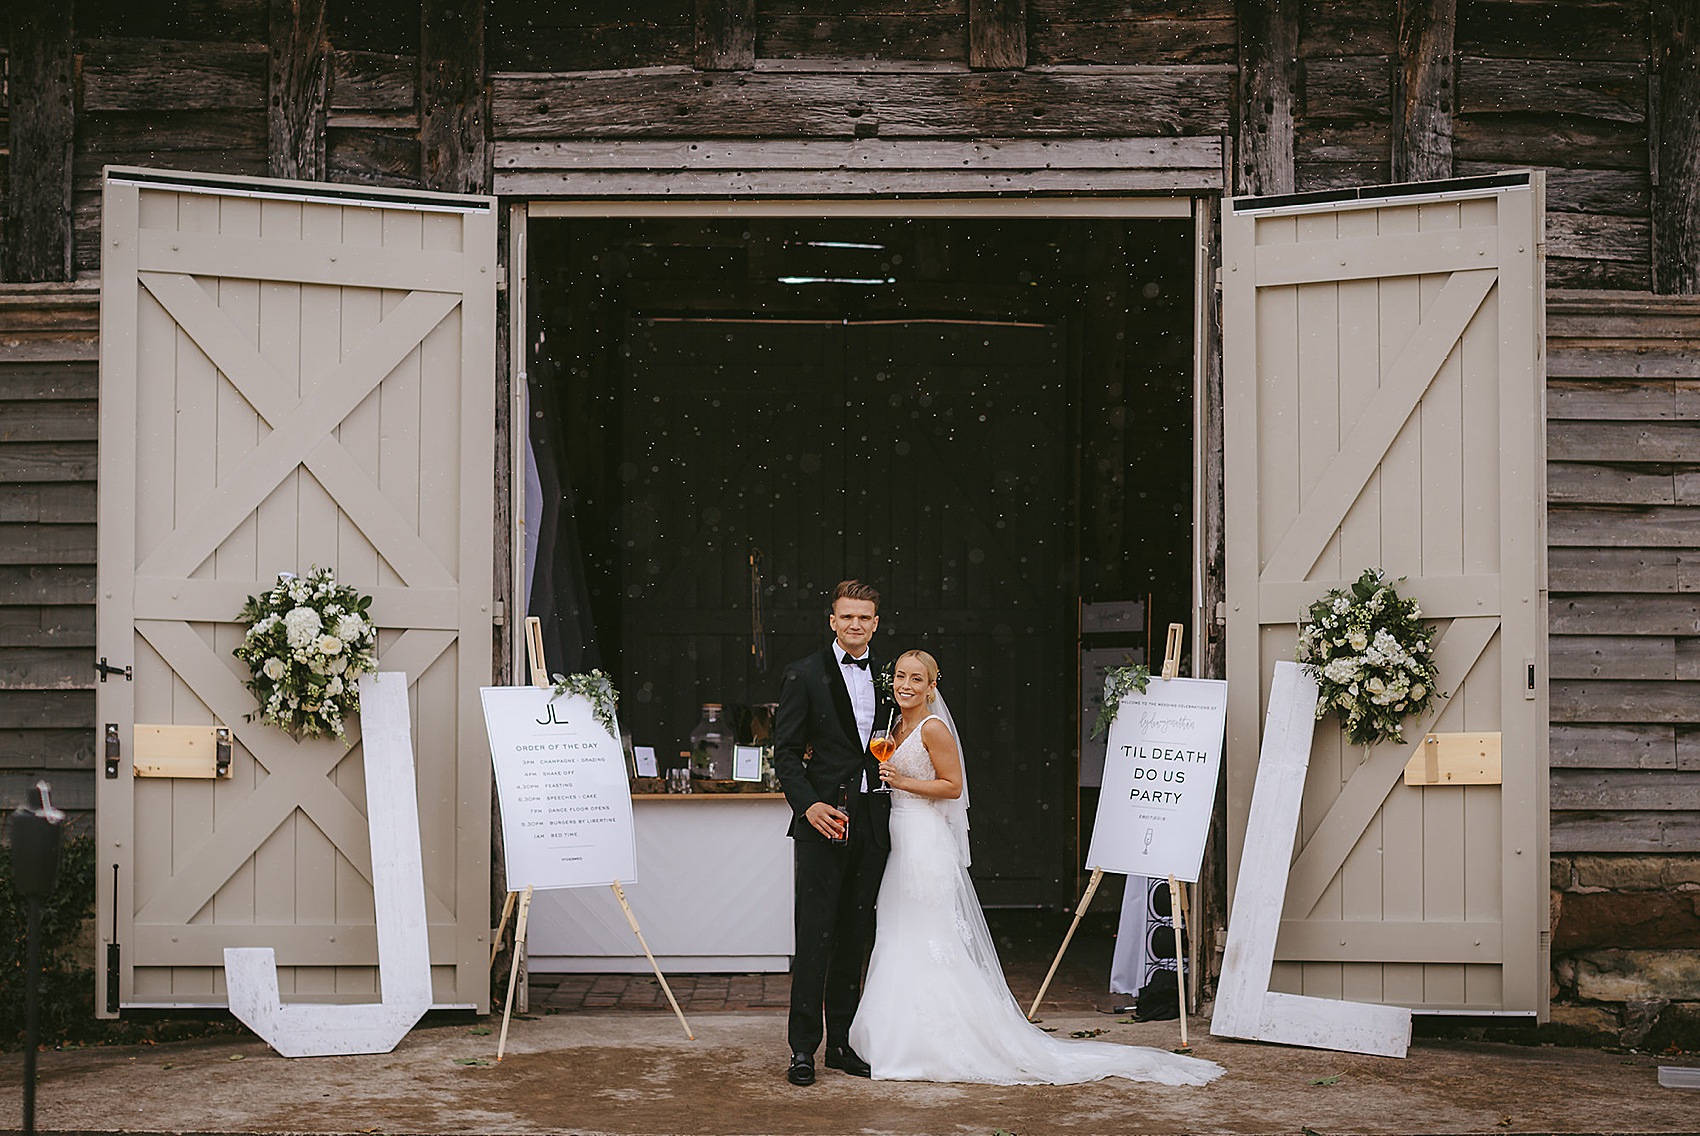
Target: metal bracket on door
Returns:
[107, 670]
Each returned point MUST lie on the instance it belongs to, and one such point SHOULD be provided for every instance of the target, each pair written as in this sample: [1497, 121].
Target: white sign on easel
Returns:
[1160, 770]
[565, 802]
[561, 779]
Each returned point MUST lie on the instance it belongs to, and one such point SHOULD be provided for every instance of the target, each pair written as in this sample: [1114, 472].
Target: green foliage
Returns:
[67, 974]
[1119, 682]
[598, 688]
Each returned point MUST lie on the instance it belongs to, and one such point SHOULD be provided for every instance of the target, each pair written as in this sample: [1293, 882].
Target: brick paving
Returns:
[1027, 942]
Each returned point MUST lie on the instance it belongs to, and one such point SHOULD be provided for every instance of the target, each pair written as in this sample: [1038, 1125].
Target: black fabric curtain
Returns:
[560, 595]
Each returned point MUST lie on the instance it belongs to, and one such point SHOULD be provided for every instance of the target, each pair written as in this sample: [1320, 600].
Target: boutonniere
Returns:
[882, 679]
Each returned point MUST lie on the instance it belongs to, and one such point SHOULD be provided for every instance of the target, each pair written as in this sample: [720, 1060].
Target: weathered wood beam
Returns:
[42, 109]
[454, 146]
[1268, 41]
[298, 83]
[1423, 99]
[1676, 193]
[655, 104]
[997, 35]
[725, 35]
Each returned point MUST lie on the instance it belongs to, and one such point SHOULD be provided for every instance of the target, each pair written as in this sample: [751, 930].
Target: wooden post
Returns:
[41, 105]
[298, 84]
[454, 147]
[1676, 121]
[1209, 657]
[620, 894]
[1269, 40]
[1177, 908]
[1423, 91]
[1085, 902]
[997, 35]
[513, 974]
[725, 35]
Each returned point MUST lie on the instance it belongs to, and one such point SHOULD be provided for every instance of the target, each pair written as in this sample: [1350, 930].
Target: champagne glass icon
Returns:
[1149, 833]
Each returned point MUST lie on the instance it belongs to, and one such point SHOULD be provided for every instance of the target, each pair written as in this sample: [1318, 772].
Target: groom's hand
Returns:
[827, 821]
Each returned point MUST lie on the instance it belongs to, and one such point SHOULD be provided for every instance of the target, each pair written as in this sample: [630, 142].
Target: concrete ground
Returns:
[606, 1055]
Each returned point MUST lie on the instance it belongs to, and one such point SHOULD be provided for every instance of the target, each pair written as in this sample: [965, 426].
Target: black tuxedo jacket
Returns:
[815, 714]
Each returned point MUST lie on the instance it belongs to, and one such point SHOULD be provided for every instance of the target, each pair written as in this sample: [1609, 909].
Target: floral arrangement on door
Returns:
[309, 638]
[1372, 658]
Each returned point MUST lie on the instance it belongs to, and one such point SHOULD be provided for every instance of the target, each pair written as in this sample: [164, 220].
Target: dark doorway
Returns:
[731, 416]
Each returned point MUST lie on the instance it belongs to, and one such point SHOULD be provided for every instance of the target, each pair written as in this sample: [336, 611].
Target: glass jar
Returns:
[711, 744]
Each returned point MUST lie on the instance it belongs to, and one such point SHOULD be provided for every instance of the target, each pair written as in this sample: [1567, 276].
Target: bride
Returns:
[936, 1006]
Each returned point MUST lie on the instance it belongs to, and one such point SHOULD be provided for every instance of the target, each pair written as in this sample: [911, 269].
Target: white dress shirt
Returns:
[859, 681]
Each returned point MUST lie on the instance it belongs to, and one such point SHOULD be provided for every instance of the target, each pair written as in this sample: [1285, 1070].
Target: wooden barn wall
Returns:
[48, 378]
[1623, 520]
[1570, 86]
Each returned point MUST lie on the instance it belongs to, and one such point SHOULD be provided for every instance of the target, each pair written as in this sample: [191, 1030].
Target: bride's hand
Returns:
[888, 773]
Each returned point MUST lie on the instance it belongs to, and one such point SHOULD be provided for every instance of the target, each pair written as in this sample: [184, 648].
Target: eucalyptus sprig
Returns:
[598, 688]
[1119, 682]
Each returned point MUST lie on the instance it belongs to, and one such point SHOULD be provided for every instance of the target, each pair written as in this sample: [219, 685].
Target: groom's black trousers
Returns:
[836, 888]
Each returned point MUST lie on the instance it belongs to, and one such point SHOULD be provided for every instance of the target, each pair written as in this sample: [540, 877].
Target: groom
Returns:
[829, 703]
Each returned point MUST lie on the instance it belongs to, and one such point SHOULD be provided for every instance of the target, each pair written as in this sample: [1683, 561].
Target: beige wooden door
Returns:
[291, 375]
[1383, 377]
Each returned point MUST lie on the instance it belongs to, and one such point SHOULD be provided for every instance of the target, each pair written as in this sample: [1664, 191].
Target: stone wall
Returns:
[1626, 951]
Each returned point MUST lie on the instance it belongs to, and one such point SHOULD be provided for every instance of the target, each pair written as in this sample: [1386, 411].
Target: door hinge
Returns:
[114, 750]
[500, 615]
[107, 670]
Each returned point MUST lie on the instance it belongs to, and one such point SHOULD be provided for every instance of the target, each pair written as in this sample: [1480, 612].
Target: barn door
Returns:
[1383, 376]
[291, 376]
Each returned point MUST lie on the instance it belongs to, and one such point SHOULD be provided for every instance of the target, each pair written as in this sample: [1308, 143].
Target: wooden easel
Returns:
[540, 677]
[1177, 899]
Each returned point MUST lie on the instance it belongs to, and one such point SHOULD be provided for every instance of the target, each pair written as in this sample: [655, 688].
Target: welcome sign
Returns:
[561, 781]
[1160, 769]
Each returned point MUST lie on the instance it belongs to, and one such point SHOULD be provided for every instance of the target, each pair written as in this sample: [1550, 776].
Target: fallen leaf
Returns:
[470, 1061]
[1086, 1033]
[236, 1057]
[479, 1031]
[1334, 1080]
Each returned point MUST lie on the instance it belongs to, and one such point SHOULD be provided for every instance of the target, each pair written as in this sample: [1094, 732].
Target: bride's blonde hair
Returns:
[927, 661]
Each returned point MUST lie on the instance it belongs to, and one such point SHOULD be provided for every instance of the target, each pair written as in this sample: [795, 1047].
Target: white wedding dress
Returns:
[936, 1006]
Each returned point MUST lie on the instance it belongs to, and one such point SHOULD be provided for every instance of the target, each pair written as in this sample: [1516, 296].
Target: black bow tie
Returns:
[861, 662]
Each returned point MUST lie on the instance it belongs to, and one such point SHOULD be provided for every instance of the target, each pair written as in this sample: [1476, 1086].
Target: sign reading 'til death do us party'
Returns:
[561, 781]
[1160, 770]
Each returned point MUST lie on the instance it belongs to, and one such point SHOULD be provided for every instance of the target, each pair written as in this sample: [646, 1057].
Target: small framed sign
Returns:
[644, 758]
[746, 763]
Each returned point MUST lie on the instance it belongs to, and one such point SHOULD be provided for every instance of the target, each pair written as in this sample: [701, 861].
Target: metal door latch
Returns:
[107, 671]
[114, 749]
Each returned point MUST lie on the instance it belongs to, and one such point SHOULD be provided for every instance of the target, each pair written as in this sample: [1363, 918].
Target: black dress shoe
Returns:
[845, 1058]
[802, 1070]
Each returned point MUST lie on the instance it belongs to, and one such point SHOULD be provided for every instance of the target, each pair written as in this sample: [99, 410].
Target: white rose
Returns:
[1418, 690]
[329, 645]
[337, 665]
[273, 669]
[334, 686]
[350, 627]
